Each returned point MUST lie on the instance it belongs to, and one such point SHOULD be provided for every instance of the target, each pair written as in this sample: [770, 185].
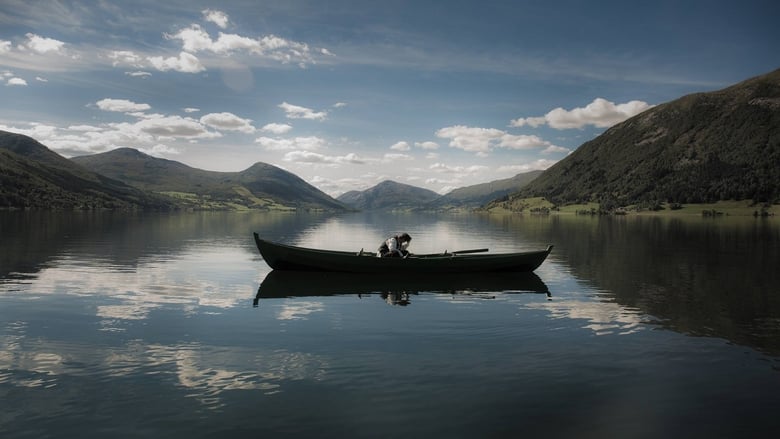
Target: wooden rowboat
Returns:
[287, 257]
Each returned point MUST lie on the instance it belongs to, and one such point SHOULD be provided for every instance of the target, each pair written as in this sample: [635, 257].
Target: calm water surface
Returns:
[150, 325]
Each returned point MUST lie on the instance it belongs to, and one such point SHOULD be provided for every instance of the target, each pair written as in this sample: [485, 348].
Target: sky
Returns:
[346, 94]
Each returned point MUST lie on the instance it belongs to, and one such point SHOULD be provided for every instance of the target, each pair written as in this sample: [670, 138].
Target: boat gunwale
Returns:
[288, 257]
[444, 255]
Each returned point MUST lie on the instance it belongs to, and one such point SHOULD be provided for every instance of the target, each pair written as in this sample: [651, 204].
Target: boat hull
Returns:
[286, 257]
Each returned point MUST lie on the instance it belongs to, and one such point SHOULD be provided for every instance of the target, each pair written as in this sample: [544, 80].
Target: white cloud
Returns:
[538, 165]
[400, 146]
[185, 63]
[84, 128]
[484, 140]
[37, 131]
[194, 39]
[217, 17]
[441, 167]
[121, 105]
[553, 149]
[397, 157]
[41, 44]
[427, 145]
[160, 149]
[522, 142]
[533, 122]
[16, 82]
[339, 104]
[138, 74]
[174, 126]
[351, 158]
[297, 112]
[447, 189]
[308, 157]
[126, 57]
[277, 128]
[5, 46]
[228, 121]
[470, 139]
[152, 134]
[600, 113]
[278, 144]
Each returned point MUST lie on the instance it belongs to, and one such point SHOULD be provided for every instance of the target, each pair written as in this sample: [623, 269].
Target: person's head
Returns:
[404, 238]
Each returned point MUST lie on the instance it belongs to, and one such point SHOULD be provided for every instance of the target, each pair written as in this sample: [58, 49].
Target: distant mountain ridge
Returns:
[702, 147]
[388, 195]
[480, 194]
[261, 186]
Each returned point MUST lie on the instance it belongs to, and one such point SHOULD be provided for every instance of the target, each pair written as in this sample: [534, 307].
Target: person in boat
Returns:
[395, 246]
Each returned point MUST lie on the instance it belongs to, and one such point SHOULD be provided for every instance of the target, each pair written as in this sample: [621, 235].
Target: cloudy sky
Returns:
[345, 94]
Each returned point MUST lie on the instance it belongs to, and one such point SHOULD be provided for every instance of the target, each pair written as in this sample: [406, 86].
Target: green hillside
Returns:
[33, 176]
[701, 148]
[474, 196]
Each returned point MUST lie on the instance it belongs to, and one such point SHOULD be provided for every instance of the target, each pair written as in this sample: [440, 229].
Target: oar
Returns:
[459, 252]
[476, 250]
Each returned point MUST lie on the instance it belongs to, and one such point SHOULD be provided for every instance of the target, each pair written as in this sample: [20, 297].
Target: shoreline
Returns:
[540, 206]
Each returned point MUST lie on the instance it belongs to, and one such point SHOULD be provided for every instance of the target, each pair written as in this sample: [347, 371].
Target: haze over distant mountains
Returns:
[702, 147]
[390, 195]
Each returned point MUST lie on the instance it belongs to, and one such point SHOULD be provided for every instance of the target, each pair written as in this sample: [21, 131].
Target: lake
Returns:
[130, 325]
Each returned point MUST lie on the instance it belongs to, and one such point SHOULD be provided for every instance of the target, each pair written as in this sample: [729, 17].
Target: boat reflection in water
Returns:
[395, 290]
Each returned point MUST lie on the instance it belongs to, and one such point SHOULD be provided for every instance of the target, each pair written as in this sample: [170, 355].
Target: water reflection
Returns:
[600, 317]
[395, 290]
[204, 371]
[111, 324]
[34, 240]
[197, 277]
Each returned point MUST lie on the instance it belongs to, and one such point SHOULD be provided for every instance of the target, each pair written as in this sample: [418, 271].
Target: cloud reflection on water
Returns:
[297, 310]
[205, 371]
[602, 317]
[199, 278]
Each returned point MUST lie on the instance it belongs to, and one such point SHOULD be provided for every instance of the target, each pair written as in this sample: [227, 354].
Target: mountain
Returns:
[260, 186]
[480, 194]
[389, 195]
[702, 147]
[33, 176]
[267, 181]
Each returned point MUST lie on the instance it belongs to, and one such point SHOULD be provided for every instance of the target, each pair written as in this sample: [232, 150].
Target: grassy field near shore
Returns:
[727, 208]
[730, 208]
